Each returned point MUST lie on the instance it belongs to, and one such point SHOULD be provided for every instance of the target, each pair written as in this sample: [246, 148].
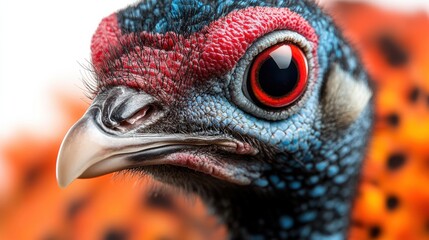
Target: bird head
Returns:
[229, 99]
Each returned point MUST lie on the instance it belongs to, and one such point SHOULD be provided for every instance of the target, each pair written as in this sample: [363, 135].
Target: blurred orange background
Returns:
[393, 200]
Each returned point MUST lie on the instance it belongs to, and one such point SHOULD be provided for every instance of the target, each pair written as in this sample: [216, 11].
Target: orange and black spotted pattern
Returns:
[393, 198]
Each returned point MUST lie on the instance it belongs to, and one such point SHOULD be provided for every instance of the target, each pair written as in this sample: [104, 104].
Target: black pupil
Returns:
[278, 74]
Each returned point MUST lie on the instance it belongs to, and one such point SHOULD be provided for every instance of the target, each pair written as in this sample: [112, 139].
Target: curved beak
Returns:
[88, 151]
[105, 139]
[84, 148]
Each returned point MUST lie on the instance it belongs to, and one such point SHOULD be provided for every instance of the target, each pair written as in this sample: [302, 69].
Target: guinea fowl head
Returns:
[260, 107]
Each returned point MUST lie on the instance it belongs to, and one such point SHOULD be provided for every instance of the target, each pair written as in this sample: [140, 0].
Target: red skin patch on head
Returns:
[105, 37]
[167, 64]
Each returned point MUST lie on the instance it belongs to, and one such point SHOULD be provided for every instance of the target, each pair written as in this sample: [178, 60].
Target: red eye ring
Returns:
[278, 76]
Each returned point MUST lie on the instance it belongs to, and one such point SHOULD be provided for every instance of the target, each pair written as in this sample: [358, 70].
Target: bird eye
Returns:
[278, 76]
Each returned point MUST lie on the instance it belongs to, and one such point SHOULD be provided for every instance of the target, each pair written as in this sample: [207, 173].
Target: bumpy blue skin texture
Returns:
[311, 164]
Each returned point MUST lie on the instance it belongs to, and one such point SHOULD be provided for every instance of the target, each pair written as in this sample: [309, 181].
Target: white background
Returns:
[43, 43]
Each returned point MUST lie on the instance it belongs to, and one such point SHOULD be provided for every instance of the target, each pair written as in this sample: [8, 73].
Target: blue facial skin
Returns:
[311, 164]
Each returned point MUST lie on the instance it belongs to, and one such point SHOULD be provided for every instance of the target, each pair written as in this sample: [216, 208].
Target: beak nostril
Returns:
[137, 119]
[124, 109]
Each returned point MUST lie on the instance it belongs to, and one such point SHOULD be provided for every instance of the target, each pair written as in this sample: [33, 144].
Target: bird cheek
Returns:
[345, 98]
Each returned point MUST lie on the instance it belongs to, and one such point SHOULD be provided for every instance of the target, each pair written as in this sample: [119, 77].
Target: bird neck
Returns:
[287, 214]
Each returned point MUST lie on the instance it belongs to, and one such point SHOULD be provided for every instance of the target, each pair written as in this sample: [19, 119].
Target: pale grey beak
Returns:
[86, 147]
[110, 137]
[87, 151]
